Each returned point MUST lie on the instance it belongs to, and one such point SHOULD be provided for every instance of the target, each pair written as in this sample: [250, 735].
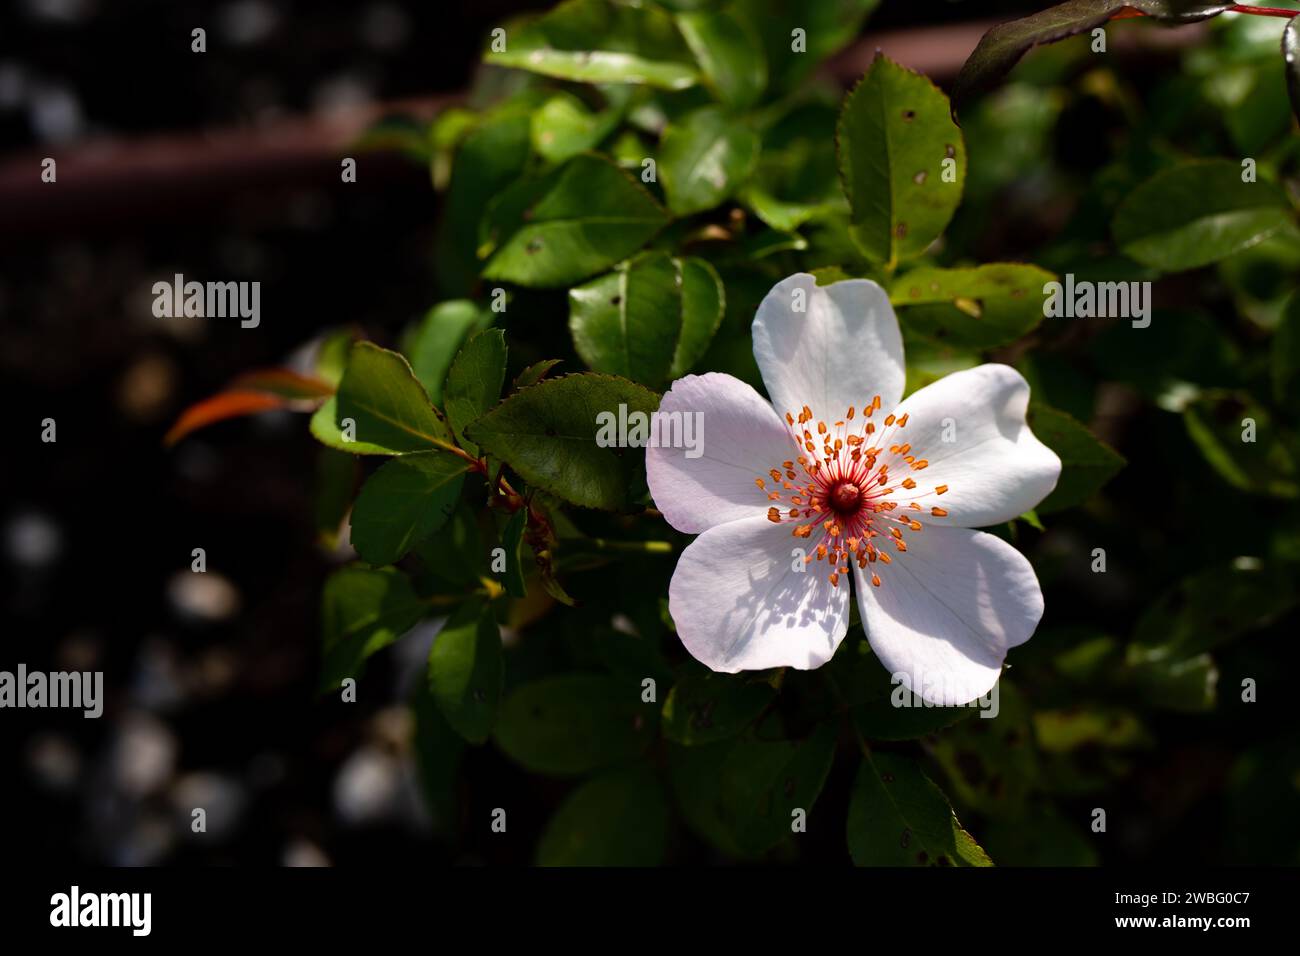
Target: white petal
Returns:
[947, 611]
[843, 349]
[737, 438]
[970, 426]
[739, 605]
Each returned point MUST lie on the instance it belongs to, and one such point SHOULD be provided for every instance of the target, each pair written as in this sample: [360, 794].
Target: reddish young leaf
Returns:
[282, 382]
[220, 407]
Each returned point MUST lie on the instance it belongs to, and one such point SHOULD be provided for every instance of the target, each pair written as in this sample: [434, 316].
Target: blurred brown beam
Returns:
[162, 177]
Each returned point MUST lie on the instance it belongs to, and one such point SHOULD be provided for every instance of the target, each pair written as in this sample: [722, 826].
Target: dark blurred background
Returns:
[210, 679]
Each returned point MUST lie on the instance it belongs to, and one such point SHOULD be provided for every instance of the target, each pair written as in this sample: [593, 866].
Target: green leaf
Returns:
[1003, 46]
[617, 819]
[511, 542]
[826, 25]
[706, 707]
[598, 41]
[627, 322]
[895, 132]
[764, 783]
[474, 382]
[332, 355]
[404, 502]
[1062, 731]
[389, 409]
[491, 158]
[325, 429]
[563, 127]
[466, 670]
[561, 435]
[979, 308]
[1197, 213]
[769, 242]
[705, 158]
[363, 610]
[448, 129]
[1291, 57]
[1241, 441]
[570, 223]
[1087, 463]
[575, 723]
[797, 179]
[535, 373]
[454, 560]
[897, 817]
[432, 344]
[1186, 685]
[729, 52]
[1285, 352]
[704, 302]
[649, 320]
[336, 481]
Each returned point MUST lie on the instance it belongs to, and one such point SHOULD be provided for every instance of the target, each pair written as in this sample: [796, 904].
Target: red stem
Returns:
[1264, 11]
[1129, 13]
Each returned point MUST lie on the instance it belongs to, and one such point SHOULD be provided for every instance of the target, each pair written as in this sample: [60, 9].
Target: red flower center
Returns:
[842, 485]
[846, 498]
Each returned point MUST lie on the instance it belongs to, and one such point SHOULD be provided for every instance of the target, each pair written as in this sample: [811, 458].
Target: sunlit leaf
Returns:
[600, 41]
[705, 158]
[902, 162]
[568, 224]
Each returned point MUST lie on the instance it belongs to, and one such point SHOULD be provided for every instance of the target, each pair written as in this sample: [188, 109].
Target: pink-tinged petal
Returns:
[739, 604]
[738, 438]
[970, 428]
[947, 610]
[842, 350]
